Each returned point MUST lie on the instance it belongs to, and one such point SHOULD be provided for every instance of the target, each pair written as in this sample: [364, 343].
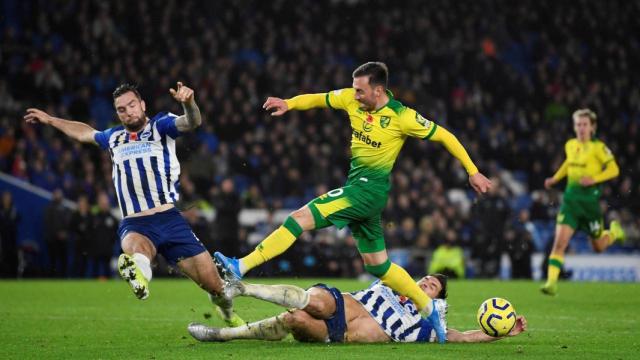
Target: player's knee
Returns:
[295, 319]
[597, 248]
[137, 243]
[321, 305]
[303, 218]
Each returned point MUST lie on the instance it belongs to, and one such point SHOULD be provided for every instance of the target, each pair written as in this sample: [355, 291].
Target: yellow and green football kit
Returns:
[376, 140]
[581, 208]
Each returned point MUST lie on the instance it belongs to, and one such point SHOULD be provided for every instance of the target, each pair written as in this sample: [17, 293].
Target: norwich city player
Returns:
[380, 126]
[589, 162]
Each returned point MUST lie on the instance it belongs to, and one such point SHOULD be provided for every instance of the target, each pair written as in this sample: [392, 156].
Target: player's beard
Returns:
[136, 125]
[367, 107]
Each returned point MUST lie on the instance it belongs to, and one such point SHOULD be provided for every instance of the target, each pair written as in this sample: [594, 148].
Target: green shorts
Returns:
[359, 205]
[582, 214]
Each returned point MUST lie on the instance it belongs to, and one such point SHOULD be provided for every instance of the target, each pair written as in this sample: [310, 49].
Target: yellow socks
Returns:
[275, 244]
[555, 265]
[399, 280]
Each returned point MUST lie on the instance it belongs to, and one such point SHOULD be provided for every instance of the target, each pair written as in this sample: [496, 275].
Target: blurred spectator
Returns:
[103, 236]
[519, 246]
[490, 214]
[9, 219]
[227, 205]
[448, 259]
[56, 223]
[200, 227]
[80, 226]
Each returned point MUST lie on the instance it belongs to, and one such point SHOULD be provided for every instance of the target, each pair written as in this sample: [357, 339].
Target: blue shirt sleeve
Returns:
[166, 124]
[425, 331]
[102, 138]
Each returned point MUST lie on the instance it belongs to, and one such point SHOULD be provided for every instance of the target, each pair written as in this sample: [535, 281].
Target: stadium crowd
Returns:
[504, 76]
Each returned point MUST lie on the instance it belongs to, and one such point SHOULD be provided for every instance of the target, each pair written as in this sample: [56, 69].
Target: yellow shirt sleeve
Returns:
[454, 147]
[610, 171]
[603, 153]
[562, 171]
[306, 102]
[415, 125]
[340, 99]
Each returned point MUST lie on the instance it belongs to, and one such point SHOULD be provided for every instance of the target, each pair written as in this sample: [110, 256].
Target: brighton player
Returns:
[145, 175]
[323, 314]
[380, 125]
[589, 163]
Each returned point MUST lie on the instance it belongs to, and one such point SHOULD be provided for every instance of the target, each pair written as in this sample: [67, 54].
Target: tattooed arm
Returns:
[191, 118]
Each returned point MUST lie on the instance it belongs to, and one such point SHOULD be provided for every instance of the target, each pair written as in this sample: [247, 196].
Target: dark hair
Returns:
[125, 88]
[377, 72]
[443, 281]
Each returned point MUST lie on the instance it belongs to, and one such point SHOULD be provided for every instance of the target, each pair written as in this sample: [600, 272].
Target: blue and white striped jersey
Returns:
[396, 314]
[145, 170]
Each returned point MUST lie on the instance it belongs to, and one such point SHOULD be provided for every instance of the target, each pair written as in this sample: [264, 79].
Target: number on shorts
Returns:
[335, 192]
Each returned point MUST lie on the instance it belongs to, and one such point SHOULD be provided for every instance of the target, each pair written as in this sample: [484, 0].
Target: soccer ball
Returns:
[496, 317]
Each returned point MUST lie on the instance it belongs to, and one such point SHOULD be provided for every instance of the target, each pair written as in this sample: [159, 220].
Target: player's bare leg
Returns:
[321, 304]
[361, 327]
[305, 327]
[608, 237]
[556, 258]
[134, 265]
[202, 271]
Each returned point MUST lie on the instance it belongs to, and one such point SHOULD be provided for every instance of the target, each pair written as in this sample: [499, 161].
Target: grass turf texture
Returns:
[92, 319]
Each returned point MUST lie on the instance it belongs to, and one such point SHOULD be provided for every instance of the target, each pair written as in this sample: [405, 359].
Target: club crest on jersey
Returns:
[367, 124]
[384, 121]
[145, 135]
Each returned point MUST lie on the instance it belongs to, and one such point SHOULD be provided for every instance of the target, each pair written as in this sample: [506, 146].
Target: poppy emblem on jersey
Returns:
[384, 121]
[367, 124]
[133, 136]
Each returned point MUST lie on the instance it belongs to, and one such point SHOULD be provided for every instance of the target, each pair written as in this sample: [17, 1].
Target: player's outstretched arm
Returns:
[559, 175]
[191, 118]
[476, 336]
[74, 129]
[279, 106]
[478, 182]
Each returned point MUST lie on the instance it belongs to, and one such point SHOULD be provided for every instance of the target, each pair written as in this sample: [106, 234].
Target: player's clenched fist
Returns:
[278, 104]
[182, 93]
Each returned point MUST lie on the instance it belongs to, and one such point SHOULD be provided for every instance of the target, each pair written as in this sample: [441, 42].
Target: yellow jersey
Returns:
[378, 136]
[584, 159]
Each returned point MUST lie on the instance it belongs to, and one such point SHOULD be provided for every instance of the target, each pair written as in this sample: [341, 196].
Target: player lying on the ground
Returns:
[323, 314]
[145, 175]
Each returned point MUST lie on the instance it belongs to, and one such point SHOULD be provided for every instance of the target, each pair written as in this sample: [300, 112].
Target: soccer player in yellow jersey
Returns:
[589, 163]
[380, 125]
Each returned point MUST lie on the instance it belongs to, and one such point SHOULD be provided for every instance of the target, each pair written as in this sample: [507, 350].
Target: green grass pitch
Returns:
[93, 319]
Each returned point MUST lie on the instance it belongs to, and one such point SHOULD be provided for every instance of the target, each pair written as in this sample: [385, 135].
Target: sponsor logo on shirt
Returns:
[359, 135]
